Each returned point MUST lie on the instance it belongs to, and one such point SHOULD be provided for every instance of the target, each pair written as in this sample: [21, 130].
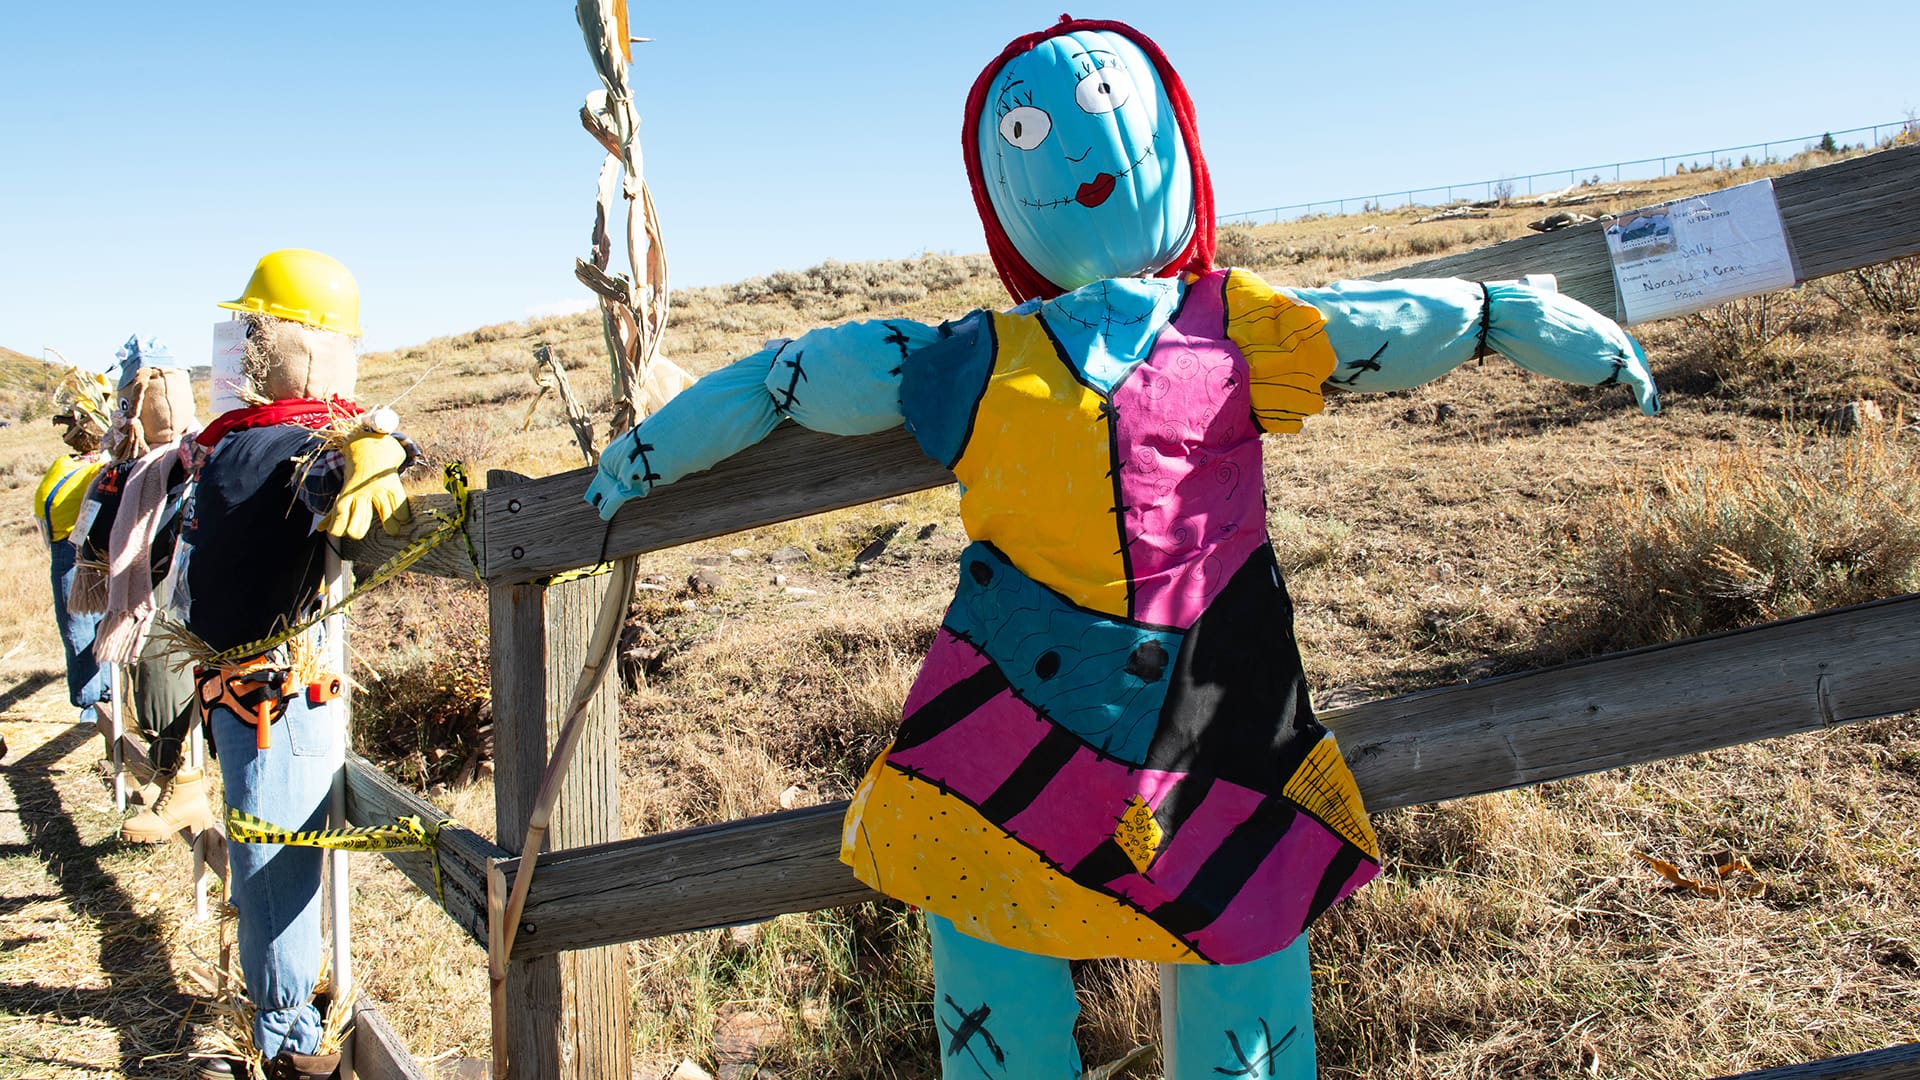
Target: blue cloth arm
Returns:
[841, 380]
[845, 380]
[1395, 335]
[715, 418]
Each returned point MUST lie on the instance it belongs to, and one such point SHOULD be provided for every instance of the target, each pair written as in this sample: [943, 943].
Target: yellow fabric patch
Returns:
[1285, 343]
[1138, 834]
[910, 841]
[57, 500]
[1041, 442]
[1324, 786]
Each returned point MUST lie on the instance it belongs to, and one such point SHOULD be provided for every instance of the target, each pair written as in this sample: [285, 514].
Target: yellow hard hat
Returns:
[304, 287]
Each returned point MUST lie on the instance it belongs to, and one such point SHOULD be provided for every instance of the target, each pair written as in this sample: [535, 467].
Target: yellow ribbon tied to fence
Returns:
[405, 834]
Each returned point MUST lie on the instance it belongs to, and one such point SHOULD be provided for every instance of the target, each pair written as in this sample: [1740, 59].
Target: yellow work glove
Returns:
[372, 488]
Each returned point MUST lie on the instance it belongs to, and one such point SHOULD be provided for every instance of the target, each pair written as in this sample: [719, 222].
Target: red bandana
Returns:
[307, 412]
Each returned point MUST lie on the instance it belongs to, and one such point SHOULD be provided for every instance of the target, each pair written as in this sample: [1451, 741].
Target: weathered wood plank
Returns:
[567, 1016]
[378, 1052]
[1576, 256]
[542, 526]
[1841, 216]
[1838, 217]
[1892, 1063]
[373, 798]
[450, 559]
[1659, 702]
[1796, 675]
[695, 879]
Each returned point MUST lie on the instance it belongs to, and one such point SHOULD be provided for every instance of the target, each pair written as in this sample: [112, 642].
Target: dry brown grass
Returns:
[1513, 935]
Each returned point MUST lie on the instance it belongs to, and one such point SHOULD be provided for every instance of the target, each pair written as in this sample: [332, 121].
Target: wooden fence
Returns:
[568, 985]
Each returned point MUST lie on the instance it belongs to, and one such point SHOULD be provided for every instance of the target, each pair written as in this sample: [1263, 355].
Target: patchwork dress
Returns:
[1109, 750]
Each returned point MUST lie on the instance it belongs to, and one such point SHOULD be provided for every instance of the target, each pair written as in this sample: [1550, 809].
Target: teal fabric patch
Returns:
[1101, 678]
[1109, 327]
[941, 386]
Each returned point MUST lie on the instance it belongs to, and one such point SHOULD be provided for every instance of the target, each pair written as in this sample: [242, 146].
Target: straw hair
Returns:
[287, 360]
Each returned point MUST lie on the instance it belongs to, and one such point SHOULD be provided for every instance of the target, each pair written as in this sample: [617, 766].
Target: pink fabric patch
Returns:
[1266, 915]
[1189, 460]
[1224, 808]
[975, 756]
[948, 661]
[1081, 807]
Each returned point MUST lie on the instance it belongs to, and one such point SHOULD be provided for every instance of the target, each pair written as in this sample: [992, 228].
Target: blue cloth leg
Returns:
[276, 888]
[87, 679]
[1250, 1020]
[999, 1012]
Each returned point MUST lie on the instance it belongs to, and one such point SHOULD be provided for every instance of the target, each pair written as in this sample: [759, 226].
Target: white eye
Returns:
[1025, 126]
[1104, 89]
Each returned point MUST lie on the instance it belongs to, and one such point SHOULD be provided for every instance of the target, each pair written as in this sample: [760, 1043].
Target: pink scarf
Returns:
[130, 607]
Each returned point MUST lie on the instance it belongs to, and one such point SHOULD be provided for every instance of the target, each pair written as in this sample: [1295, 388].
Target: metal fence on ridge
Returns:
[1520, 186]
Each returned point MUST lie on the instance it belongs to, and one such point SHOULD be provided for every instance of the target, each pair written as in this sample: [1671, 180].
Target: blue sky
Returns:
[151, 153]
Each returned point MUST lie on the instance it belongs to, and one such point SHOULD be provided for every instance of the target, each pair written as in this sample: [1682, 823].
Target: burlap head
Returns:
[292, 360]
[153, 409]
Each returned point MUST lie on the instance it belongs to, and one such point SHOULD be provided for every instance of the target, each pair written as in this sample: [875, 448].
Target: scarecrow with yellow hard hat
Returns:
[292, 467]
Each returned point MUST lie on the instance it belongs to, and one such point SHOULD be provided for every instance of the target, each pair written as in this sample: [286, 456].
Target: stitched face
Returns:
[1083, 160]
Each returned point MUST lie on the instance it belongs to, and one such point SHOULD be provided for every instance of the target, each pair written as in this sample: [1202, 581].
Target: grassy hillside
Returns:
[1490, 522]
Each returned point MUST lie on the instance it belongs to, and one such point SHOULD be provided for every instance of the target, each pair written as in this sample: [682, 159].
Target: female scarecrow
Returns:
[1109, 750]
[125, 541]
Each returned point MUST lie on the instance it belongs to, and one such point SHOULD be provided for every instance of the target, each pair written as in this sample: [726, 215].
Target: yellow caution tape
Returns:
[575, 575]
[405, 834]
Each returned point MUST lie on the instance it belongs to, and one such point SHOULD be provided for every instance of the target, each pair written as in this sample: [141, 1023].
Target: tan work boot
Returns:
[182, 805]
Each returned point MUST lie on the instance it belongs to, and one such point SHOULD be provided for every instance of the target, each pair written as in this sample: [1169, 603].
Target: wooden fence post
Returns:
[567, 1015]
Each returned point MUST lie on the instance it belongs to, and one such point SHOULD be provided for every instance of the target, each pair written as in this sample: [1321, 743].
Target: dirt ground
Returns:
[88, 983]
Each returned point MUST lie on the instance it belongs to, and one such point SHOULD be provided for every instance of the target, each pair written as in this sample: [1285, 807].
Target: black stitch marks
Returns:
[797, 377]
[1361, 367]
[971, 1024]
[1259, 1064]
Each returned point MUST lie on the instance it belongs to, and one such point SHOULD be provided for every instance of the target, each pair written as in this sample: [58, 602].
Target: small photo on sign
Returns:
[1643, 234]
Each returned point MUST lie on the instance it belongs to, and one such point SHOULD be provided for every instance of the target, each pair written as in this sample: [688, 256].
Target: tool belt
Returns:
[257, 691]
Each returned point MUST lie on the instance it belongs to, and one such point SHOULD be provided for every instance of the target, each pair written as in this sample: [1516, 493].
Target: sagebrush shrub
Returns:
[1748, 536]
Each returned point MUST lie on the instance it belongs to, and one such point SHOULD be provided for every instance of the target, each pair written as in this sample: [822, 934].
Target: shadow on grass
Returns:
[141, 992]
[25, 689]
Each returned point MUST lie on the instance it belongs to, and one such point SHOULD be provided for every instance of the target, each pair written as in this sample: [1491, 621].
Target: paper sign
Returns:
[1696, 252]
[229, 364]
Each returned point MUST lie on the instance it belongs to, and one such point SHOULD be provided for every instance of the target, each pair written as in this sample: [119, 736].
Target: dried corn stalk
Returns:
[633, 306]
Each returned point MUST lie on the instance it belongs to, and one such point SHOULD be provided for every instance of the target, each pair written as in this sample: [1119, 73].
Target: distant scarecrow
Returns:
[1109, 750]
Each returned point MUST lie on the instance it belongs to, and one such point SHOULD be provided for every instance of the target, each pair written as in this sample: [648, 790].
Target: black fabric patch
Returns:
[1237, 706]
[950, 706]
[1228, 869]
[1039, 768]
[1341, 869]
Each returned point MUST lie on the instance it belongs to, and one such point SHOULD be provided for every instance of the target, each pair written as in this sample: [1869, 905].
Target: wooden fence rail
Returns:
[1851, 214]
[1796, 675]
[1665, 701]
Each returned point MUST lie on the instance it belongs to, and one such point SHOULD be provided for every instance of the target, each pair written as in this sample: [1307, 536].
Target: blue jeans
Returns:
[87, 679]
[277, 888]
[1003, 1013]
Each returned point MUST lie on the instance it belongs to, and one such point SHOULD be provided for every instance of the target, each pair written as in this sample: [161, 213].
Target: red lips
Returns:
[1095, 191]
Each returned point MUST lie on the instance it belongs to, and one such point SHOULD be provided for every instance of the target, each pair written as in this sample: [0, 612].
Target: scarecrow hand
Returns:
[1562, 338]
[371, 489]
[1399, 334]
[715, 418]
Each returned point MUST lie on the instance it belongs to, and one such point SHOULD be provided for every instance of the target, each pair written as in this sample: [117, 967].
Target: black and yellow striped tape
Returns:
[405, 834]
